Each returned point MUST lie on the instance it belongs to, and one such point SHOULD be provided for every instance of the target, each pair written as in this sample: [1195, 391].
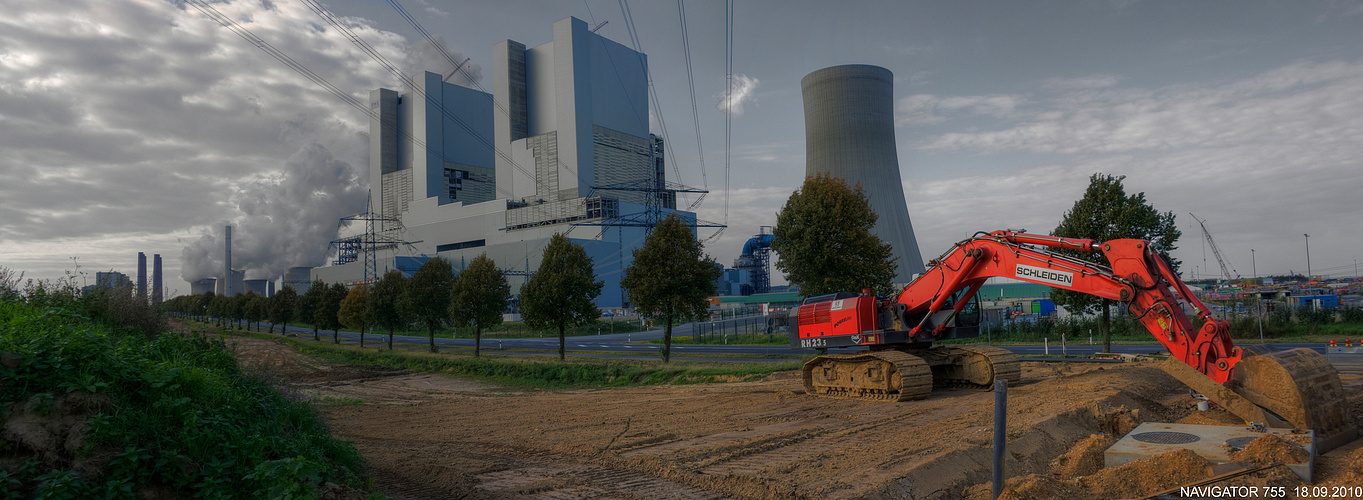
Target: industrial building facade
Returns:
[468, 172]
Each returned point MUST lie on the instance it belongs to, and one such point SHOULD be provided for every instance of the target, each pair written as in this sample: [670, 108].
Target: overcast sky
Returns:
[140, 125]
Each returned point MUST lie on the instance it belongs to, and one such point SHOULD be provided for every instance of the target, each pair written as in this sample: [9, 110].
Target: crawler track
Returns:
[881, 375]
[973, 366]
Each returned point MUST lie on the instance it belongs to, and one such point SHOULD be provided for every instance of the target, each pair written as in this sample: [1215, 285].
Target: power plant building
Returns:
[233, 287]
[469, 172]
[849, 134]
[202, 286]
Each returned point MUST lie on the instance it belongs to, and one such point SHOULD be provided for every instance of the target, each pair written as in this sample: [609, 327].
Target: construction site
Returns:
[431, 436]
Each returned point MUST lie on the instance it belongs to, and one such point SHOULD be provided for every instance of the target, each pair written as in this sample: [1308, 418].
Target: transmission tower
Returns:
[659, 194]
[1215, 251]
[366, 245]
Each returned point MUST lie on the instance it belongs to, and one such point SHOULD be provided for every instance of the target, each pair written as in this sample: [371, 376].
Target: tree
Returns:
[479, 298]
[327, 315]
[386, 306]
[308, 303]
[427, 295]
[219, 310]
[354, 311]
[205, 301]
[253, 309]
[1105, 213]
[671, 276]
[562, 291]
[824, 241]
[281, 308]
[236, 309]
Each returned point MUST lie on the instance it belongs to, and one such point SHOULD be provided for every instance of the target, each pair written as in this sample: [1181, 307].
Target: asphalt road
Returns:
[618, 346]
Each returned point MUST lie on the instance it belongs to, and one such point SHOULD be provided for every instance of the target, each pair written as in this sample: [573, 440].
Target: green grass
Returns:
[180, 415]
[537, 371]
[502, 331]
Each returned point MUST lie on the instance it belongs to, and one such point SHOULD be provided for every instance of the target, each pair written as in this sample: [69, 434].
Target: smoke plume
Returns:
[285, 220]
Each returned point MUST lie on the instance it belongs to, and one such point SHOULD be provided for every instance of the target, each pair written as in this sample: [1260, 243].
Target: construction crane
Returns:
[1215, 251]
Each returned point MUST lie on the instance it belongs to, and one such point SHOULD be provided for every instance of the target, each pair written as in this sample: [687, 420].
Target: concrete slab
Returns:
[1345, 359]
[1208, 441]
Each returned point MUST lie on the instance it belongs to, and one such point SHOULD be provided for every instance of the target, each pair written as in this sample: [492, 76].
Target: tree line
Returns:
[670, 277]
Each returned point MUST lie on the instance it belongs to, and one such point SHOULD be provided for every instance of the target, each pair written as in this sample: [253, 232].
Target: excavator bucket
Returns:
[1300, 387]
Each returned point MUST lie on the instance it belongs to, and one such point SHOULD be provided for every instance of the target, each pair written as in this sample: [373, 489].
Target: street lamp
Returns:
[1308, 256]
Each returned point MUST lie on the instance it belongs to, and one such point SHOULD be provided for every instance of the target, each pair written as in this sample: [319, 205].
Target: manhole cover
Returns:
[1166, 437]
[1243, 441]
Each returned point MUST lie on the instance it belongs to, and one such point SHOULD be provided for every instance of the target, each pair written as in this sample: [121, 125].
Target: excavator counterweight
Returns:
[1297, 388]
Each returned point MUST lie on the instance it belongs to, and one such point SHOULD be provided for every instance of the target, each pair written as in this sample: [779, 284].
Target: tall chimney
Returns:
[156, 279]
[227, 265]
[141, 276]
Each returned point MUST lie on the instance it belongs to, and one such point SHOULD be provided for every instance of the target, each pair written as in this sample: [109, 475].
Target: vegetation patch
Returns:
[524, 371]
[95, 409]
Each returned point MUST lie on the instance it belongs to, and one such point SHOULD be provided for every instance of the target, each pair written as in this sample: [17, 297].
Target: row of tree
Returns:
[670, 277]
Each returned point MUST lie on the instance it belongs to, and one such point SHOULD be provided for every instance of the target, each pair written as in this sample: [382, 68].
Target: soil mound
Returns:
[1141, 477]
[1083, 459]
[1271, 448]
[53, 429]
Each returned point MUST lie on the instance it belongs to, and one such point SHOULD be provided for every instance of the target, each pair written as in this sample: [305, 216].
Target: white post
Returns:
[1046, 342]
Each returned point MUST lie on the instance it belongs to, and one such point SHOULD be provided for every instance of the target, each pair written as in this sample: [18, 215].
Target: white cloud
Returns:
[743, 92]
[1263, 159]
[927, 109]
[1081, 83]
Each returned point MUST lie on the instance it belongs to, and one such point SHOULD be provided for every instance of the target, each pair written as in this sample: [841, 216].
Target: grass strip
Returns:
[534, 371]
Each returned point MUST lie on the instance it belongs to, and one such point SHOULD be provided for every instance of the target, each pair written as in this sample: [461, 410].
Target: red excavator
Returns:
[1295, 388]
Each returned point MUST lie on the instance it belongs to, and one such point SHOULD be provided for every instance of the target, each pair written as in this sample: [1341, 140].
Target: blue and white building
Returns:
[469, 172]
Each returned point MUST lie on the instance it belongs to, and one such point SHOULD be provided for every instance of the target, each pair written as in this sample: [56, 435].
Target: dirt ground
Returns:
[428, 436]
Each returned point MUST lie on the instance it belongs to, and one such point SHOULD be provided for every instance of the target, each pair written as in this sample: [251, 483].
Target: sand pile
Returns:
[1271, 448]
[1083, 459]
[1141, 477]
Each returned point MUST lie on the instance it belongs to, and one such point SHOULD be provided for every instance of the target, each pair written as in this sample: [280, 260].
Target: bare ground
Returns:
[431, 436]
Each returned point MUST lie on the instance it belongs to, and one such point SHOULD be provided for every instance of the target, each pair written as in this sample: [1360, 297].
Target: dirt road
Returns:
[429, 436]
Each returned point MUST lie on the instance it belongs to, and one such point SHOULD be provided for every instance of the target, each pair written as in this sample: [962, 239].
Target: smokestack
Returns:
[156, 279]
[227, 265]
[141, 276]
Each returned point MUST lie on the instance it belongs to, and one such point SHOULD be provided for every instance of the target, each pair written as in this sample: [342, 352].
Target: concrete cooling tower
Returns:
[849, 134]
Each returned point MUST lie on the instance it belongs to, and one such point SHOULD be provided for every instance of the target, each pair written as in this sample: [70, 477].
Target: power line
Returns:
[728, 104]
[653, 94]
[374, 54]
[691, 84]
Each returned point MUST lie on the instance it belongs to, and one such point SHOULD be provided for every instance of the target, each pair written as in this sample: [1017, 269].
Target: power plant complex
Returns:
[562, 145]
[467, 172]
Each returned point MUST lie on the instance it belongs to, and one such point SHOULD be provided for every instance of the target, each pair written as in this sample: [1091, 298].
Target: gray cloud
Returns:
[143, 119]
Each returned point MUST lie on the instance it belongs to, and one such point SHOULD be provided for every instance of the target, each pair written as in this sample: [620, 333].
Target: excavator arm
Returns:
[1298, 387]
[1138, 278]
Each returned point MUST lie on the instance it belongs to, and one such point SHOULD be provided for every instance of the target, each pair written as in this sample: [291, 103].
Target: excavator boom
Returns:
[899, 332]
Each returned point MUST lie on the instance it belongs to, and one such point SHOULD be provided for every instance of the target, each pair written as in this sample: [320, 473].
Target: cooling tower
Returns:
[849, 133]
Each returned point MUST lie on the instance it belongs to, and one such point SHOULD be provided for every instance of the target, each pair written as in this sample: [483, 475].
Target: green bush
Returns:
[179, 412]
